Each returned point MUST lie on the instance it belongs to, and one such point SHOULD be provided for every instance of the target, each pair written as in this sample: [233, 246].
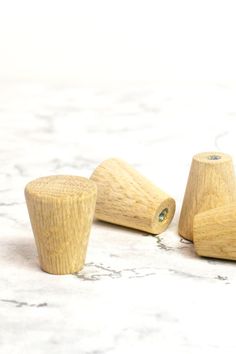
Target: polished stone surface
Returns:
[137, 293]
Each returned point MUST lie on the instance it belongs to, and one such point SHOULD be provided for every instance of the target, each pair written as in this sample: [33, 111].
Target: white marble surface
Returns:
[137, 293]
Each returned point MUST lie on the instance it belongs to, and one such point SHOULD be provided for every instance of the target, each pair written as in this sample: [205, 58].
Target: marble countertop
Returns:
[137, 293]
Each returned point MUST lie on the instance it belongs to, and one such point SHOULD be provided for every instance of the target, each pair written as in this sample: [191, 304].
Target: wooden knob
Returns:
[211, 184]
[61, 210]
[127, 198]
[214, 232]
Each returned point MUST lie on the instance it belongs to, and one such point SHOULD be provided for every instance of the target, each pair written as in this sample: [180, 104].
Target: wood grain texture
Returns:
[127, 198]
[214, 232]
[61, 210]
[211, 184]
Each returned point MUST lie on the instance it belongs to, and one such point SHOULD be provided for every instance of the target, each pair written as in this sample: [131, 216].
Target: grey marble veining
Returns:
[136, 293]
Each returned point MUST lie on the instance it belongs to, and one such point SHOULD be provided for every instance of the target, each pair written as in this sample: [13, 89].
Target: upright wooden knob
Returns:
[214, 232]
[127, 198]
[61, 210]
[211, 184]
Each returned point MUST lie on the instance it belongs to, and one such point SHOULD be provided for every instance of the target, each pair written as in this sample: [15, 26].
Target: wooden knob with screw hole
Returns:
[214, 232]
[211, 184]
[127, 198]
[61, 210]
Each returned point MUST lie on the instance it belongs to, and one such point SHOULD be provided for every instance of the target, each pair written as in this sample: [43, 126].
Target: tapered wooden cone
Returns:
[61, 210]
[211, 184]
[127, 198]
[214, 232]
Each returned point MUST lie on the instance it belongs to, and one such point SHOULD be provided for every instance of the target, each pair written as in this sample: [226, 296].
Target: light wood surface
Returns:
[211, 184]
[214, 232]
[127, 198]
[61, 210]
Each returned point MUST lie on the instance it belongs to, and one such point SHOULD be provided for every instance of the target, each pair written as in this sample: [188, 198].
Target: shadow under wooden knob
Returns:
[61, 210]
[127, 198]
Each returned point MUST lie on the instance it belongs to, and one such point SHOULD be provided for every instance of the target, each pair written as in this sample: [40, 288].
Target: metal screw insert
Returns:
[214, 157]
[163, 215]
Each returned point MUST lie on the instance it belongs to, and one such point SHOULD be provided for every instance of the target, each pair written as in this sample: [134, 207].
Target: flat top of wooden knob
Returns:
[61, 187]
[212, 157]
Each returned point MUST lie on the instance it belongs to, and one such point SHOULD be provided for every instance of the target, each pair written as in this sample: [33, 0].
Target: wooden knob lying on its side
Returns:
[61, 210]
[211, 184]
[214, 232]
[127, 198]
